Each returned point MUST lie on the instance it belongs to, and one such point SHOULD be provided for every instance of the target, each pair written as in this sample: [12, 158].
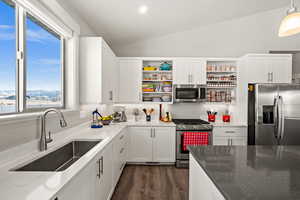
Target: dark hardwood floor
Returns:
[152, 183]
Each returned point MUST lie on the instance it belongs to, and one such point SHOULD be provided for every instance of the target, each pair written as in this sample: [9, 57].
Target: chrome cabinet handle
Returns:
[151, 132]
[121, 137]
[272, 76]
[121, 151]
[110, 95]
[102, 161]
[154, 133]
[99, 170]
[229, 131]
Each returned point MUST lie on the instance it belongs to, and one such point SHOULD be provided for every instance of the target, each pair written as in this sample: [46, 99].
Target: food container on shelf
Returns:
[166, 98]
[167, 88]
[156, 99]
[150, 68]
[165, 66]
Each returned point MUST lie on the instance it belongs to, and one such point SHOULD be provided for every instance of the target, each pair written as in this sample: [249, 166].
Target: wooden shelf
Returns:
[220, 87]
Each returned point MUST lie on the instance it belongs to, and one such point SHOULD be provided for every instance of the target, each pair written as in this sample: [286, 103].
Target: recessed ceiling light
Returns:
[143, 9]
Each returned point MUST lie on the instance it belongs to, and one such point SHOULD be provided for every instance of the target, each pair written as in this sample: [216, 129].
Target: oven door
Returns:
[182, 154]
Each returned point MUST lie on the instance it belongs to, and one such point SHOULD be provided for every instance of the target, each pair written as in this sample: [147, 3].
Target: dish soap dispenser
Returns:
[96, 122]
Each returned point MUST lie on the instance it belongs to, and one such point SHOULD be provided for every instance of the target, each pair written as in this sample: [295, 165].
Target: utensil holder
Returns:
[148, 118]
[211, 118]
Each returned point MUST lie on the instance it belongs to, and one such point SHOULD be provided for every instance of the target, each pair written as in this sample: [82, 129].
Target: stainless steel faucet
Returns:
[44, 140]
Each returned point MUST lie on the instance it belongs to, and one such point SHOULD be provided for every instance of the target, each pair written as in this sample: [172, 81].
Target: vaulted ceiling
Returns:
[119, 21]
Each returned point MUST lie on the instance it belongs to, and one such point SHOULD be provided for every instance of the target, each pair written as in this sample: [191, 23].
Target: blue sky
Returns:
[43, 54]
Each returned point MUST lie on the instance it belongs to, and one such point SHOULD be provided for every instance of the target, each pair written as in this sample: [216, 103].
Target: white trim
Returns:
[43, 14]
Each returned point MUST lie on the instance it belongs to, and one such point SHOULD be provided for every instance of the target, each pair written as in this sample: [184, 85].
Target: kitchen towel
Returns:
[195, 139]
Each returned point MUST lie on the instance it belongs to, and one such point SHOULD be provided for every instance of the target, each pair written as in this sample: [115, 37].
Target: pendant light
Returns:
[290, 25]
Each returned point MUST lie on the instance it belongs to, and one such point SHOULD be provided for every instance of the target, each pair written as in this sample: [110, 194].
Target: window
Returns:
[31, 62]
[7, 58]
[43, 66]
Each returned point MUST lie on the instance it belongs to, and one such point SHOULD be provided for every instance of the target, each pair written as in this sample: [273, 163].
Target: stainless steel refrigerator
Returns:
[273, 114]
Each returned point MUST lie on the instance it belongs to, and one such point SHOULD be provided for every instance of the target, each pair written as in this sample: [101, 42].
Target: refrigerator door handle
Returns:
[281, 118]
[276, 118]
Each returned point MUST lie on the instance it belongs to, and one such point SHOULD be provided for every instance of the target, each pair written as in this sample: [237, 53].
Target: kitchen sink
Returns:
[62, 158]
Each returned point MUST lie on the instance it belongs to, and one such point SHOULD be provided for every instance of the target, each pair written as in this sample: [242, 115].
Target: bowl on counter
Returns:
[106, 122]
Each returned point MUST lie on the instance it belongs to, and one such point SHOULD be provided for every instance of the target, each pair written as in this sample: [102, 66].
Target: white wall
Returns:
[251, 34]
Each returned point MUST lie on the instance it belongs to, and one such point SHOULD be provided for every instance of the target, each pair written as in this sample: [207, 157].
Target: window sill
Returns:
[23, 117]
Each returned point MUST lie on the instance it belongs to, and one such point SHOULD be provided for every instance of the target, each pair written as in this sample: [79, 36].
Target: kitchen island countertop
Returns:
[252, 172]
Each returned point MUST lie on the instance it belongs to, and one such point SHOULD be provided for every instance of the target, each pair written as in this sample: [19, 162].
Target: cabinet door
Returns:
[164, 144]
[130, 75]
[238, 141]
[74, 190]
[181, 72]
[222, 141]
[140, 146]
[109, 75]
[104, 170]
[198, 71]
[258, 70]
[281, 69]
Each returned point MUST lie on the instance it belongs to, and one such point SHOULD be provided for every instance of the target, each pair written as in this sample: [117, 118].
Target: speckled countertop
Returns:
[252, 172]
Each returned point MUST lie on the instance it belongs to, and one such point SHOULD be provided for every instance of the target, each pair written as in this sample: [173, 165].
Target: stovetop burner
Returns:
[192, 125]
[190, 121]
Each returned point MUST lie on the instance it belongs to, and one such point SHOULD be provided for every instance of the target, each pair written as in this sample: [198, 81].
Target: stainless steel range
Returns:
[189, 125]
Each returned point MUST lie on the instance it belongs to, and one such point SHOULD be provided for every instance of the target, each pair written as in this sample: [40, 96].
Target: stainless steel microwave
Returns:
[189, 93]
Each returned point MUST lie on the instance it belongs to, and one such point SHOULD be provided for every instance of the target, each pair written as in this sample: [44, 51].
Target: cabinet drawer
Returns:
[230, 131]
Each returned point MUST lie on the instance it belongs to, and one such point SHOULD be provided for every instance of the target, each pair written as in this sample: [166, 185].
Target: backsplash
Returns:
[181, 110]
[17, 132]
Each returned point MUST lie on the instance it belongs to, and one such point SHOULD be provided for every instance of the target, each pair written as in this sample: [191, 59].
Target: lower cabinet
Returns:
[119, 155]
[152, 144]
[200, 185]
[230, 136]
[104, 173]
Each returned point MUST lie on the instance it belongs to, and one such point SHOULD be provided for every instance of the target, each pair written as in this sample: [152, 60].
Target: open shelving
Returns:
[221, 81]
[157, 83]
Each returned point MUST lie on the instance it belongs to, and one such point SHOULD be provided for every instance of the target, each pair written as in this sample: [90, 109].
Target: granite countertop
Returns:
[252, 172]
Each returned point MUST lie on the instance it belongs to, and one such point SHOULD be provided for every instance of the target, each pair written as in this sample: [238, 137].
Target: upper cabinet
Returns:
[268, 68]
[98, 72]
[130, 79]
[190, 71]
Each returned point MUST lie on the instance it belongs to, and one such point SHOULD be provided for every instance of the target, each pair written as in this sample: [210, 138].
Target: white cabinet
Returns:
[268, 68]
[84, 178]
[200, 185]
[189, 71]
[103, 169]
[230, 136]
[98, 72]
[152, 144]
[119, 155]
[163, 144]
[130, 75]
[140, 144]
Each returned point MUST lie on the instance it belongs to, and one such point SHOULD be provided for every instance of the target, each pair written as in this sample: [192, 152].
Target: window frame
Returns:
[21, 72]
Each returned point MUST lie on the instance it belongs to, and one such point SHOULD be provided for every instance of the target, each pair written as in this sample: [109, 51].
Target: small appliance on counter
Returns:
[96, 121]
[136, 113]
[148, 113]
[119, 114]
[211, 115]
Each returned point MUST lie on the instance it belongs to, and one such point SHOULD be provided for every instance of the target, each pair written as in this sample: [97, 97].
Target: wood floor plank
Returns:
[152, 183]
